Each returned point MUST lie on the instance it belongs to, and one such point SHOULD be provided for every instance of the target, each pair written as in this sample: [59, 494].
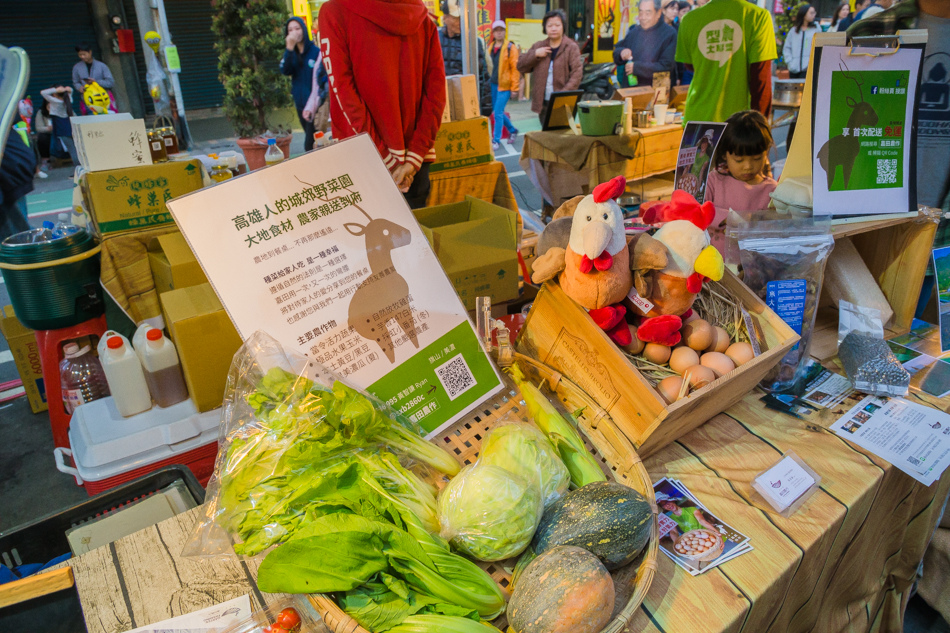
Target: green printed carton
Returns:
[133, 198]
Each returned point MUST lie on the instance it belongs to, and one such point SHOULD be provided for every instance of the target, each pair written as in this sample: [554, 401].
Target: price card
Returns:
[787, 484]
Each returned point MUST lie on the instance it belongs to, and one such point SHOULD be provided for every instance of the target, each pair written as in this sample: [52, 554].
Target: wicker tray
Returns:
[618, 459]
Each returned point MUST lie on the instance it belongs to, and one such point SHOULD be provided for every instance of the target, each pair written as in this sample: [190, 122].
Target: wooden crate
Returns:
[896, 251]
[559, 333]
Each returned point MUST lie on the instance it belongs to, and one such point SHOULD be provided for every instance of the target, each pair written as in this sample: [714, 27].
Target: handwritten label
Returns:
[639, 301]
[753, 333]
[785, 482]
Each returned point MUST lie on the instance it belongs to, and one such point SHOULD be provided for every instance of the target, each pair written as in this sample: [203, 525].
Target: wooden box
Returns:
[559, 333]
[896, 252]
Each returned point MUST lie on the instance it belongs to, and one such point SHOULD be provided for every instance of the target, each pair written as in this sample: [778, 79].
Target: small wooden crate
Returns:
[617, 457]
[559, 333]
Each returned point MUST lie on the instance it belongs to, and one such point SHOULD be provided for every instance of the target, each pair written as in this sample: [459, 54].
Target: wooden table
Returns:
[845, 561]
[655, 154]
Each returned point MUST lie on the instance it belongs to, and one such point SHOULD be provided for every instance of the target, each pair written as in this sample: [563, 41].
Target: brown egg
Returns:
[656, 353]
[699, 376]
[669, 388]
[683, 358]
[740, 353]
[636, 345]
[720, 340]
[697, 334]
[718, 362]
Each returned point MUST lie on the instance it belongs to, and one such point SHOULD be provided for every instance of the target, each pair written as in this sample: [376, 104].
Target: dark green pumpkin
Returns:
[607, 519]
[565, 590]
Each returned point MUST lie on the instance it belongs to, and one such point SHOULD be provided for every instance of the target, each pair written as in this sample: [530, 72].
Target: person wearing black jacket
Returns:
[648, 47]
[298, 62]
[16, 180]
[450, 38]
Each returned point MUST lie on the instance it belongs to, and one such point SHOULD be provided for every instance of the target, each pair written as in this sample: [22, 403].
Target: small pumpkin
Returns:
[565, 590]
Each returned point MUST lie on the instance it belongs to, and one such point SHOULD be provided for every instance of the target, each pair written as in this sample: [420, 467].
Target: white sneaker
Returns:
[42, 174]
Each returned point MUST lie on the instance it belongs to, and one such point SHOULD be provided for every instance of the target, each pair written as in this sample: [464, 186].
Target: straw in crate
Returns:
[616, 456]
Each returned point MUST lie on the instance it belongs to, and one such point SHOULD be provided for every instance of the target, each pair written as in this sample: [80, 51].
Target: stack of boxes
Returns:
[465, 137]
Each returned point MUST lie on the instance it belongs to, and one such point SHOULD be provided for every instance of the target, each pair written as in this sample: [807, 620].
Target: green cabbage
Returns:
[525, 451]
[489, 513]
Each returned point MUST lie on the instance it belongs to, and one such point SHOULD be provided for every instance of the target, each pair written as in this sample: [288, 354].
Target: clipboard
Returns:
[799, 161]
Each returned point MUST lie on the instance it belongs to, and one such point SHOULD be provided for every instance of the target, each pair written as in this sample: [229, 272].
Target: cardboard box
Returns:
[476, 244]
[110, 141]
[26, 355]
[206, 341]
[133, 198]
[463, 96]
[560, 334]
[173, 263]
[462, 144]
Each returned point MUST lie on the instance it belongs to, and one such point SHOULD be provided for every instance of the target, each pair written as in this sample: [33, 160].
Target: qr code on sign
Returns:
[886, 171]
[455, 376]
[914, 461]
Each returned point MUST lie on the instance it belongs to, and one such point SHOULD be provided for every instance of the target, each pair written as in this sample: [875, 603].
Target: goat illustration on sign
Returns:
[842, 150]
[384, 295]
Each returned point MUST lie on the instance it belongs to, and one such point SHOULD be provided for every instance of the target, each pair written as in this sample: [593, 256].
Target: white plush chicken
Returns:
[595, 263]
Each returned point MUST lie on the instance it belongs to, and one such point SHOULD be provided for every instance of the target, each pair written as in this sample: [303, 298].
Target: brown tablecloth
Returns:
[574, 149]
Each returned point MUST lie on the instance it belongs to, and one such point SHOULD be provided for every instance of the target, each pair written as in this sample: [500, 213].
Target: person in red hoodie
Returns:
[386, 79]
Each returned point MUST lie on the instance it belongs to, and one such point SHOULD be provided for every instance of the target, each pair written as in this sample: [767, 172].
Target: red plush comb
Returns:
[681, 207]
[610, 190]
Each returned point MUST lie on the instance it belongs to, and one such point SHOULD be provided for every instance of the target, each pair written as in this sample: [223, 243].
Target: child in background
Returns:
[740, 180]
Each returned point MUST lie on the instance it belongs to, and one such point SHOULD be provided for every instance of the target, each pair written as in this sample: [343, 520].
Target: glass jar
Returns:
[156, 145]
[221, 173]
[171, 140]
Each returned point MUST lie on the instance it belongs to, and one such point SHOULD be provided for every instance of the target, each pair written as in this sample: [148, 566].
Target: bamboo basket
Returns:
[617, 457]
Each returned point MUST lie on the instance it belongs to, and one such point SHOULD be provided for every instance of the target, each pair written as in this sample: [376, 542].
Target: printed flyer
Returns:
[695, 157]
[322, 253]
[862, 131]
[913, 437]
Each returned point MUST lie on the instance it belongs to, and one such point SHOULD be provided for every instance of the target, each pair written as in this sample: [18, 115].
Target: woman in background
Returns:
[843, 10]
[797, 49]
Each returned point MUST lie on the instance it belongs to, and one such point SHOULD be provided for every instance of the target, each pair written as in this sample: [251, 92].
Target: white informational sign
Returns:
[862, 161]
[784, 483]
[323, 253]
[913, 437]
[216, 618]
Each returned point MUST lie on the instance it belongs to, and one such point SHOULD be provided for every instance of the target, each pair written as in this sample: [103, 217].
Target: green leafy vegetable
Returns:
[523, 450]
[489, 513]
[567, 441]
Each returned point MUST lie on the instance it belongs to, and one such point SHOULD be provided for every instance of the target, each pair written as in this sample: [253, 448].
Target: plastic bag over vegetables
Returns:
[285, 421]
[525, 451]
[490, 513]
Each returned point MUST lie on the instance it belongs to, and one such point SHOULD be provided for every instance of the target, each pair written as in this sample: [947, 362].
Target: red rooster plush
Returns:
[666, 286]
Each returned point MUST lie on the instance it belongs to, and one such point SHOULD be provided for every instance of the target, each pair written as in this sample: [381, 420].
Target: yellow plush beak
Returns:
[709, 264]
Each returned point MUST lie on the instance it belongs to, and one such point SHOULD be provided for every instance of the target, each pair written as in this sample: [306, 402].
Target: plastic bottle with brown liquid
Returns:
[162, 370]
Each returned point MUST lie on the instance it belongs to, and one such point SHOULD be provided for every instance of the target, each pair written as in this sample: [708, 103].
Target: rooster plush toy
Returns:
[656, 277]
[594, 263]
[671, 266]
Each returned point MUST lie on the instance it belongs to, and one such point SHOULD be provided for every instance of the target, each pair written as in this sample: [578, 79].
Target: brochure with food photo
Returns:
[693, 537]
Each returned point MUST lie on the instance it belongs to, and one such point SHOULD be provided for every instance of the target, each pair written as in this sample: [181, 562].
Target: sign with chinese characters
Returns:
[322, 253]
[862, 132]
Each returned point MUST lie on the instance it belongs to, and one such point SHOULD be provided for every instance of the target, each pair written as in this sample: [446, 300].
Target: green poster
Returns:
[867, 130]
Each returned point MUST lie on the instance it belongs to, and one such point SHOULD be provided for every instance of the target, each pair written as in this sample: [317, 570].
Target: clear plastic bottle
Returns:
[162, 370]
[64, 227]
[125, 376]
[273, 155]
[81, 377]
[220, 173]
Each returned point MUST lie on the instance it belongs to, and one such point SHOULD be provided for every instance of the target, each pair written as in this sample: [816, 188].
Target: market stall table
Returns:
[563, 165]
[846, 559]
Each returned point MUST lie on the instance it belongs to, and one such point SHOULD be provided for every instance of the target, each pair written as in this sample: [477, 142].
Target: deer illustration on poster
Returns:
[384, 295]
[842, 150]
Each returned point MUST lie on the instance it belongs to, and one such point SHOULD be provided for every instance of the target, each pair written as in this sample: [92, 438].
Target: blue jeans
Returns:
[499, 99]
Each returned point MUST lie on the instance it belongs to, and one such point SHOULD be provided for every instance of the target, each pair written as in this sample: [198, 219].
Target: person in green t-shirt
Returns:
[730, 45]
